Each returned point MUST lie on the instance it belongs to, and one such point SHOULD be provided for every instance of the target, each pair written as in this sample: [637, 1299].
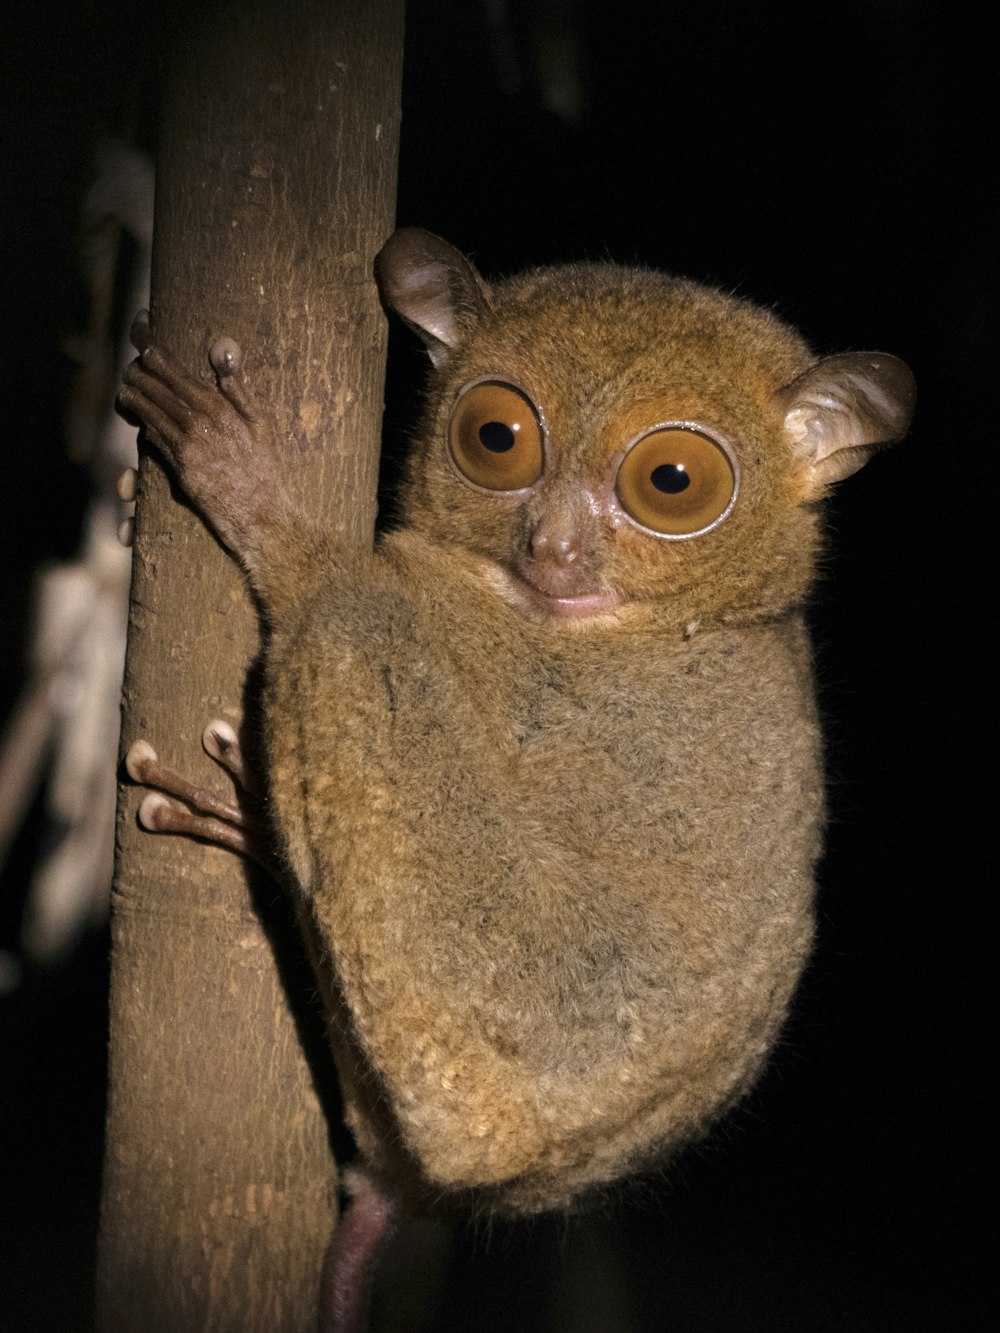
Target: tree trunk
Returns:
[275, 188]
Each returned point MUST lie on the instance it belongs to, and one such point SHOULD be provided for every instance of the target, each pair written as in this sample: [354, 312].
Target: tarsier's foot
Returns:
[216, 437]
[204, 815]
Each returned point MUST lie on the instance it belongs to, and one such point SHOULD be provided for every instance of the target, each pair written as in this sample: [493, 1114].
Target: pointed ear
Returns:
[432, 287]
[841, 410]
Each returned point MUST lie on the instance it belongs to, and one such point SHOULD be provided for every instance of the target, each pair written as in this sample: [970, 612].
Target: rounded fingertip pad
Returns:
[128, 485]
[226, 356]
[140, 754]
[150, 810]
[140, 334]
[219, 739]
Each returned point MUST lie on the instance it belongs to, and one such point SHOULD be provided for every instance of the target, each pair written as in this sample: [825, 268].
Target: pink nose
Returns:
[554, 542]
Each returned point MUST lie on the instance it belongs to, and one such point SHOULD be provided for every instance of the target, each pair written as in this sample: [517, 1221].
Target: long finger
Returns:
[226, 357]
[157, 815]
[155, 357]
[161, 429]
[160, 393]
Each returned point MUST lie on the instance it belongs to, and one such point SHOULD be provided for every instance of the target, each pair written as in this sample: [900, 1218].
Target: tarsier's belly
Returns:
[567, 911]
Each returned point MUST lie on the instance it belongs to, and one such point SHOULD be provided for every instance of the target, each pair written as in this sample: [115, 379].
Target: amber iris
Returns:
[495, 437]
[676, 482]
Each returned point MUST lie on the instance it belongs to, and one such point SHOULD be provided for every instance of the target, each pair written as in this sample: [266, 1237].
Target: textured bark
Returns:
[275, 188]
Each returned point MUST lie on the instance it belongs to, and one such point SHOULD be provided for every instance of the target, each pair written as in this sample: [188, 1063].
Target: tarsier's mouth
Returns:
[600, 602]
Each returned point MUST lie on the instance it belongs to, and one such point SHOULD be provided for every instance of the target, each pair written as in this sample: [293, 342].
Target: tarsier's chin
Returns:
[545, 766]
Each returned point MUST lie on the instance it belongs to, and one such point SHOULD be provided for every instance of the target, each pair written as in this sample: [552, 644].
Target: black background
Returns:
[826, 160]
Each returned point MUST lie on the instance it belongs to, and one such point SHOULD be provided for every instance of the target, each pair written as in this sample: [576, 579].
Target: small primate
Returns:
[544, 766]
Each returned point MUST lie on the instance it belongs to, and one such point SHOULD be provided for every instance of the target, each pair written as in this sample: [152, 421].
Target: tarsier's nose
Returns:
[556, 539]
[562, 534]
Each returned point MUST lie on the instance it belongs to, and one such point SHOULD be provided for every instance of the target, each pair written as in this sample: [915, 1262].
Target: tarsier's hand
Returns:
[216, 438]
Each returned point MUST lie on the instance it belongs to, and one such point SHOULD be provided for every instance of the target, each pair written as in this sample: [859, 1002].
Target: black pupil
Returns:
[496, 437]
[670, 477]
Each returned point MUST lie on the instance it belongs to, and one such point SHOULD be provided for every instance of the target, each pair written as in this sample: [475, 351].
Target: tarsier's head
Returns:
[620, 441]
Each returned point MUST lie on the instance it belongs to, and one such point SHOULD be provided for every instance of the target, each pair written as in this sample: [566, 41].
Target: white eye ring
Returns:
[501, 381]
[695, 428]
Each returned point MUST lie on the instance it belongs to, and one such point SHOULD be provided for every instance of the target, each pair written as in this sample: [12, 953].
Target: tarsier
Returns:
[545, 765]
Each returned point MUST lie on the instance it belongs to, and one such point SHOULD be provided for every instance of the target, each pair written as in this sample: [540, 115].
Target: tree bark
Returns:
[275, 188]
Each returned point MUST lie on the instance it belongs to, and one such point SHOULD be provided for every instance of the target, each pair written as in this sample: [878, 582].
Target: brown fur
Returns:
[564, 869]
[560, 871]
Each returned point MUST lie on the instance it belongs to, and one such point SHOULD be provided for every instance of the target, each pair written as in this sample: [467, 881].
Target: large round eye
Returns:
[495, 437]
[677, 482]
